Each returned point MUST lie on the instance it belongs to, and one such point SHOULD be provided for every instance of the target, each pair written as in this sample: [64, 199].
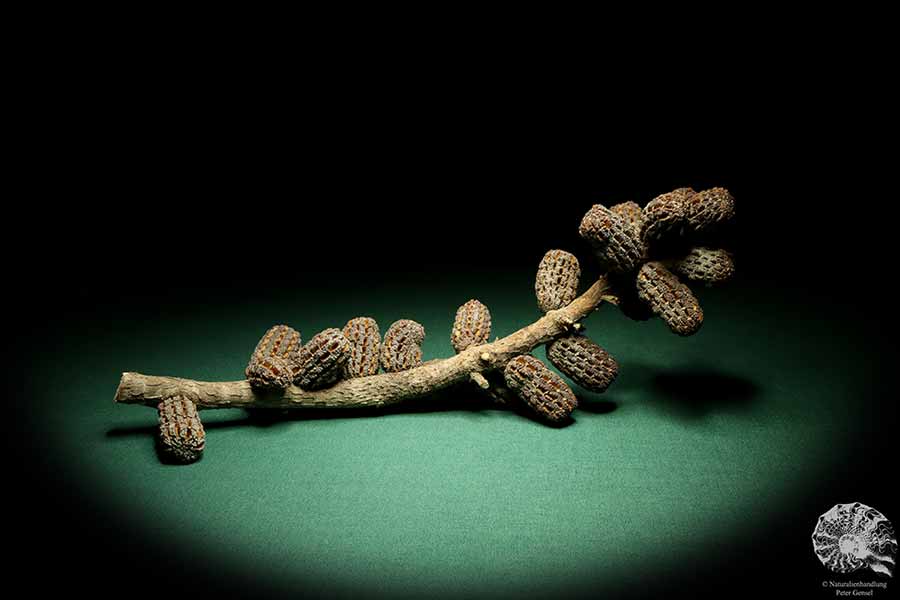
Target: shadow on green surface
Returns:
[595, 406]
[690, 393]
[634, 376]
[697, 393]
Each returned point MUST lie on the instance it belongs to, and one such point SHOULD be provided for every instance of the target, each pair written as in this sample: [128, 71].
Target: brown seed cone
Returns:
[271, 361]
[542, 389]
[320, 363]
[706, 265]
[472, 325]
[365, 347]
[597, 225]
[664, 216]
[670, 299]
[584, 362]
[630, 212]
[556, 282]
[181, 434]
[270, 373]
[401, 349]
[708, 210]
[624, 251]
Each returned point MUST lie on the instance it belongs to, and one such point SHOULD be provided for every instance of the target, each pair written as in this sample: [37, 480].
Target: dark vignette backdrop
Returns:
[370, 199]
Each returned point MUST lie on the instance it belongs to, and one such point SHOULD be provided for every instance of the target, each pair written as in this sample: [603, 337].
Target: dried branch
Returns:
[642, 252]
[375, 390]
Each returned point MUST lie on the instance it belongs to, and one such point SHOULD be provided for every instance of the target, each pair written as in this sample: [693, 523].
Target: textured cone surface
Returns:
[597, 225]
[320, 363]
[624, 251]
[181, 434]
[271, 361]
[270, 373]
[584, 362]
[472, 325]
[365, 347]
[542, 389]
[706, 265]
[669, 299]
[664, 216]
[630, 212]
[401, 349]
[706, 211]
[556, 283]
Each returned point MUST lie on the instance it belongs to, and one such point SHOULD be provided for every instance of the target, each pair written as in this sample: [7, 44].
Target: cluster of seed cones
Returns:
[280, 359]
[357, 350]
[642, 251]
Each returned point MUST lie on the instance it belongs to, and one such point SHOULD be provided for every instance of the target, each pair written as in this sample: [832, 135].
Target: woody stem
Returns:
[373, 391]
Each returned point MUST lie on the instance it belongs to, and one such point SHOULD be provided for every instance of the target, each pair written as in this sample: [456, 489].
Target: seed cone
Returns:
[706, 265]
[584, 362]
[664, 216]
[472, 325]
[365, 347]
[625, 250]
[708, 210]
[271, 361]
[617, 245]
[181, 434]
[630, 212]
[401, 349]
[597, 225]
[670, 299]
[269, 373]
[320, 363]
[542, 389]
[556, 282]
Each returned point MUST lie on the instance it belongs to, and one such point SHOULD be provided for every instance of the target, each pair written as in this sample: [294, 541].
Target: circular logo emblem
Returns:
[853, 536]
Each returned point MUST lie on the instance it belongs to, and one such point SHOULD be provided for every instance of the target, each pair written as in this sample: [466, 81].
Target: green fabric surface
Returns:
[688, 449]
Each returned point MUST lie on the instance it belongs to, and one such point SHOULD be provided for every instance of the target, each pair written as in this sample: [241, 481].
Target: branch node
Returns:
[479, 380]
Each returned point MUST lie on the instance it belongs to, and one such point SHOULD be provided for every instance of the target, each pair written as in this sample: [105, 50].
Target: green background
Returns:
[684, 459]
